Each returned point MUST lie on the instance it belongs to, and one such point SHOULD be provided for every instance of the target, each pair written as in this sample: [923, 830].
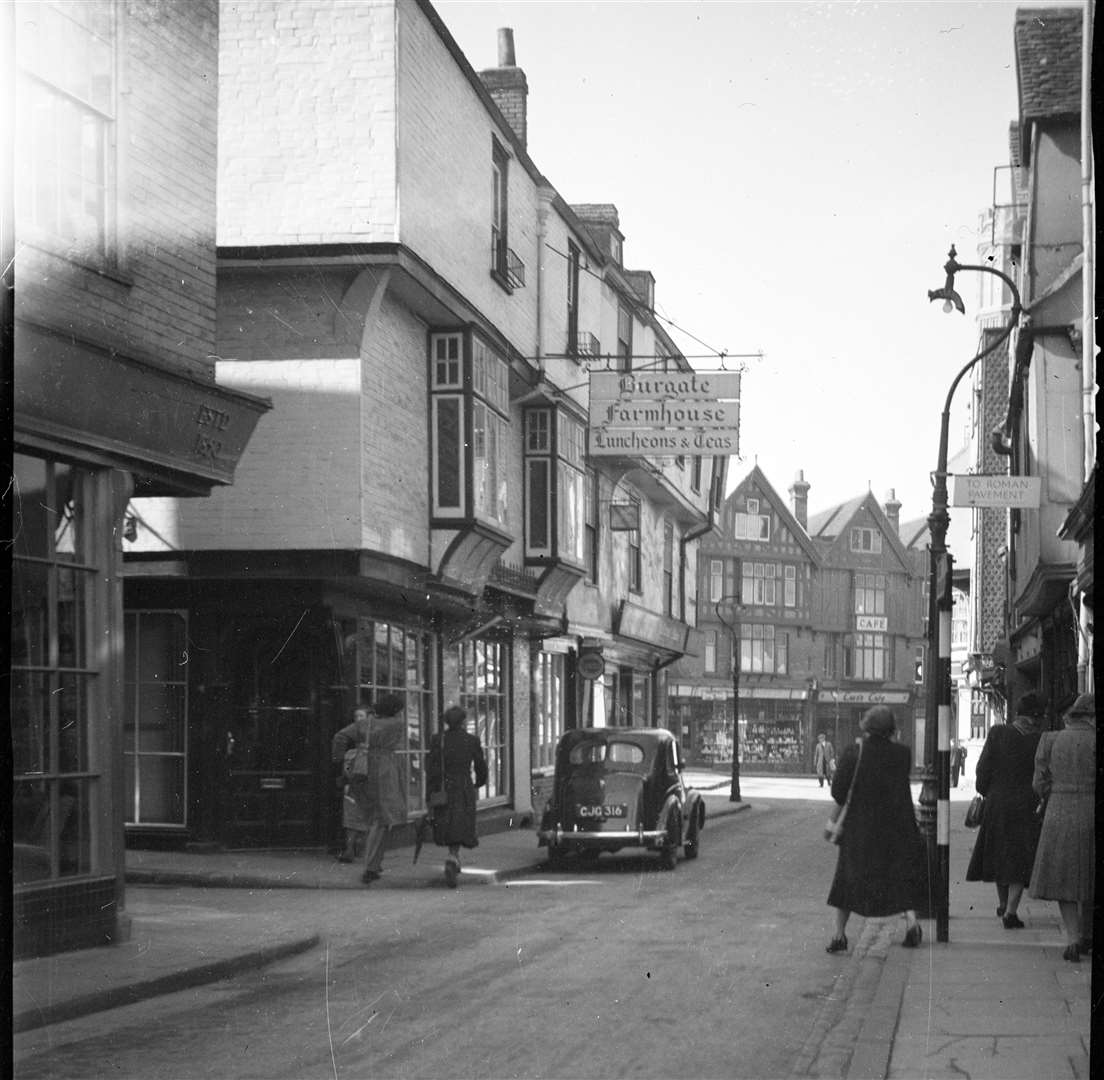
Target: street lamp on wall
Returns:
[733, 629]
[935, 787]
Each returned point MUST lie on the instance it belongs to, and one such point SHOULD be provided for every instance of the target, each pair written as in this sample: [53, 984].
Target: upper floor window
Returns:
[499, 213]
[716, 580]
[710, 658]
[762, 650]
[695, 474]
[768, 584]
[870, 594]
[593, 537]
[624, 337]
[555, 486]
[635, 567]
[865, 656]
[65, 125]
[866, 540]
[572, 298]
[751, 525]
[470, 428]
[960, 618]
[668, 568]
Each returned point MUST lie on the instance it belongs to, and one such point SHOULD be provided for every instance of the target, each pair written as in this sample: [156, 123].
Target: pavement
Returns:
[989, 1003]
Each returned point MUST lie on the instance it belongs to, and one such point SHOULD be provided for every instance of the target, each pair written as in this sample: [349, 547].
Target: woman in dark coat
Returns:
[880, 870]
[457, 764]
[1005, 847]
[1065, 860]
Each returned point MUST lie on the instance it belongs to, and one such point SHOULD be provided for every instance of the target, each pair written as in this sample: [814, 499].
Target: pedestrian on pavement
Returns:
[1004, 850]
[880, 869]
[380, 795]
[352, 821]
[1065, 860]
[958, 761]
[824, 759]
[455, 764]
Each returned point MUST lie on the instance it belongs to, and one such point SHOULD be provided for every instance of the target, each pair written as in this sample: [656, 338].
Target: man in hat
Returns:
[824, 759]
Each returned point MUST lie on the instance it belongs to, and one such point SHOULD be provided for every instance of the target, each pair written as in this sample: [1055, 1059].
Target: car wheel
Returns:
[692, 848]
[555, 857]
[668, 854]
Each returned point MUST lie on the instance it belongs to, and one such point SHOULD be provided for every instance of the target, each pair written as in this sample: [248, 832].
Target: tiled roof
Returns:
[827, 523]
[606, 213]
[1048, 62]
[915, 533]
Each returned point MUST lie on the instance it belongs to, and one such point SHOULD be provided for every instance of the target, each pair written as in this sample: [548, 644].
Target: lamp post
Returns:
[935, 789]
[734, 633]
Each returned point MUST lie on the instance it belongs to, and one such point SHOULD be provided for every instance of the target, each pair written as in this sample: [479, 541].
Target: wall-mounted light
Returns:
[947, 294]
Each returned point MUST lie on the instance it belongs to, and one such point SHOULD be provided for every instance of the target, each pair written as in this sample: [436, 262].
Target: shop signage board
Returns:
[876, 623]
[868, 697]
[987, 489]
[664, 414]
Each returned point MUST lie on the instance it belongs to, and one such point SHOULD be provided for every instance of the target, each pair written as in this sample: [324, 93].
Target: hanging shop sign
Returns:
[985, 489]
[664, 414]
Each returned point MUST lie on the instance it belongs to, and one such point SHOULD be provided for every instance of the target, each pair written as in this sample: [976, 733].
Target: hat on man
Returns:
[1030, 704]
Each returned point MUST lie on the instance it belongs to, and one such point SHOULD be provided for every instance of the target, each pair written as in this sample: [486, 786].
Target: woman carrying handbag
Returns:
[880, 868]
[456, 766]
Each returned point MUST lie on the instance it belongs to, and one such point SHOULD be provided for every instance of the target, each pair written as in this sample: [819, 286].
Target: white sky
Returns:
[793, 175]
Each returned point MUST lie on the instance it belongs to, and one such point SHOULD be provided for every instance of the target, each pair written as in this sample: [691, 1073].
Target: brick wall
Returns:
[160, 306]
[306, 122]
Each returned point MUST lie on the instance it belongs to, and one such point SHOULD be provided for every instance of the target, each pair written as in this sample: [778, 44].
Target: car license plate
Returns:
[601, 811]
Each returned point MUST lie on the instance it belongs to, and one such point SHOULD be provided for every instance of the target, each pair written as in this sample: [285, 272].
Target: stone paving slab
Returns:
[988, 1057]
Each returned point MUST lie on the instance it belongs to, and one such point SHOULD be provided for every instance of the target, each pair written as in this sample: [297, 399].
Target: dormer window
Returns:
[868, 541]
[615, 247]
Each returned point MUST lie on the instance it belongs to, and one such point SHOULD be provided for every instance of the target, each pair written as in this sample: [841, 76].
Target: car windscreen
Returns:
[614, 755]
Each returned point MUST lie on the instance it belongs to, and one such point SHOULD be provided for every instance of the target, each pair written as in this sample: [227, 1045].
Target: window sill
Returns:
[502, 281]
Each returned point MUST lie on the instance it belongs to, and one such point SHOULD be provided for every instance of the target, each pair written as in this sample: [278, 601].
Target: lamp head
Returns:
[947, 294]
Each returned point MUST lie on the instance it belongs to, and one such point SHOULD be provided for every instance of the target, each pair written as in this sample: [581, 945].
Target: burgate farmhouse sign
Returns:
[664, 414]
[996, 490]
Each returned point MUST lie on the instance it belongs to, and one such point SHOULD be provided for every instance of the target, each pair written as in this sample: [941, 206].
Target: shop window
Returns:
[864, 657]
[484, 692]
[548, 699]
[66, 126]
[56, 787]
[870, 594]
[771, 739]
[555, 491]
[379, 657]
[470, 424]
[155, 714]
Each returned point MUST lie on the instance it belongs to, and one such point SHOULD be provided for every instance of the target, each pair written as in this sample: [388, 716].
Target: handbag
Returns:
[833, 831]
[355, 762]
[974, 812]
[438, 800]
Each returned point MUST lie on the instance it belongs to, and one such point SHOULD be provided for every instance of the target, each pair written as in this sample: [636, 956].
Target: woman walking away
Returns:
[1005, 845]
[1065, 861]
[456, 764]
[880, 870]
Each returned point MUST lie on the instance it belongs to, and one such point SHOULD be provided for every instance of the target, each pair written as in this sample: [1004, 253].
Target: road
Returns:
[616, 969]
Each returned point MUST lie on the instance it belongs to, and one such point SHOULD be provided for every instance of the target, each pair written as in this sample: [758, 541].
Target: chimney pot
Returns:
[799, 496]
[506, 47]
[893, 510]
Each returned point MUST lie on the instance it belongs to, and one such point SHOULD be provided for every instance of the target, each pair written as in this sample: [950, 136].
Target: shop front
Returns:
[839, 714]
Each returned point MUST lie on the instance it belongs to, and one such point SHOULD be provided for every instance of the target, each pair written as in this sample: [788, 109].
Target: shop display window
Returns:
[772, 741]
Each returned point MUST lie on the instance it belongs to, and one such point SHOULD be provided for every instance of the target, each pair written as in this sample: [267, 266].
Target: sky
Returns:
[793, 175]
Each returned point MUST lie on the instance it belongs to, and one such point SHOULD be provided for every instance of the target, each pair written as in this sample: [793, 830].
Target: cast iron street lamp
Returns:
[734, 632]
[935, 790]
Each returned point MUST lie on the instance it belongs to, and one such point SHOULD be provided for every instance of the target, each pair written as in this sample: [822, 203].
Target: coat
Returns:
[823, 756]
[381, 795]
[1065, 772]
[1005, 846]
[881, 865]
[456, 760]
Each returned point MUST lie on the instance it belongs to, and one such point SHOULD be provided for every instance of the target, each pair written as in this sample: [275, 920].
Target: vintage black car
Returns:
[621, 787]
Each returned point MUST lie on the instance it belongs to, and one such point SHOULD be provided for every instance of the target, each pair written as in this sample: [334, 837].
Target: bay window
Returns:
[556, 505]
[469, 417]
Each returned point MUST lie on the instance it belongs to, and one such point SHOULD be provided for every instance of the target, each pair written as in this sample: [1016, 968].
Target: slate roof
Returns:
[1048, 62]
[757, 477]
[914, 534]
[826, 524]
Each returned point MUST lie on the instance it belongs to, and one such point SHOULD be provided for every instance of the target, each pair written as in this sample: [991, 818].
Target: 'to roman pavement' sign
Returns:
[664, 414]
[996, 490]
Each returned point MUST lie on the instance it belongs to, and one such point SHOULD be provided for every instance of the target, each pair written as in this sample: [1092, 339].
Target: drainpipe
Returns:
[1088, 328]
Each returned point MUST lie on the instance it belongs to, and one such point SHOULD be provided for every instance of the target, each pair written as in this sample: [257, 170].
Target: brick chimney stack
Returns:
[893, 510]
[507, 85]
[799, 499]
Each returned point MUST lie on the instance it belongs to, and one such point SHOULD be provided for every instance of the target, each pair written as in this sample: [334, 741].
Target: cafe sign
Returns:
[664, 414]
[878, 624]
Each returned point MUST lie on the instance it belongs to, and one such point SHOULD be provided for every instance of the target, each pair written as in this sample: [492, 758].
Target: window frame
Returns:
[500, 214]
[860, 534]
[574, 256]
[868, 591]
[555, 479]
[634, 556]
[624, 336]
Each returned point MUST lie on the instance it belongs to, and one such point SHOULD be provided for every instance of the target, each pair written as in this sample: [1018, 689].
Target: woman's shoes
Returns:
[912, 936]
[1012, 921]
[1000, 912]
[344, 858]
[1072, 953]
[837, 944]
[369, 876]
[452, 872]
